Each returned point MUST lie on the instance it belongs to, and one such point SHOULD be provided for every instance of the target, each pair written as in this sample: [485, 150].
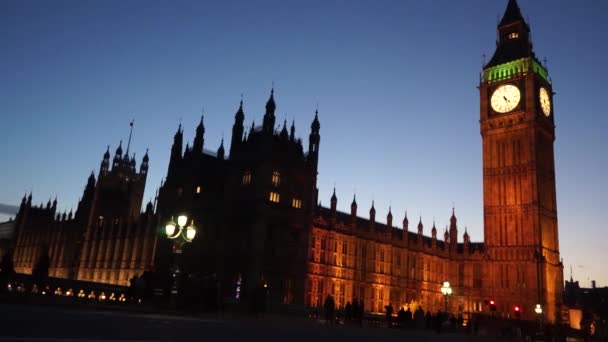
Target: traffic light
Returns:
[517, 311]
[492, 305]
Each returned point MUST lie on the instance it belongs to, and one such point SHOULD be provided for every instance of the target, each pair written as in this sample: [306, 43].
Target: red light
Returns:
[516, 308]
[491, 302]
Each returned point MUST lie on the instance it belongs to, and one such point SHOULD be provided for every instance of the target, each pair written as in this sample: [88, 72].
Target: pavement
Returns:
[19, 322]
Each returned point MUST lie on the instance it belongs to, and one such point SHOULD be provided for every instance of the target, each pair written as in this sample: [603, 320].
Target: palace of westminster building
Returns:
[262, 222]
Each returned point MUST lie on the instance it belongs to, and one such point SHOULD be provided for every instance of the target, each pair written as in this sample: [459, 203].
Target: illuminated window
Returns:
[246, 178]
[296, 203]
[276, 178]
[275, 197]
[513, 35]
[198, 189]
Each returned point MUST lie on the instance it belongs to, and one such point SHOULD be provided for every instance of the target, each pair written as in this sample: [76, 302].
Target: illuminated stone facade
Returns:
[518, 265]
[260, 225]
[354, 258]
[106, 240]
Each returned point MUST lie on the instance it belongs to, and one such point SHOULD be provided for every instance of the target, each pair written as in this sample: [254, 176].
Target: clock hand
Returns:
[507, 101]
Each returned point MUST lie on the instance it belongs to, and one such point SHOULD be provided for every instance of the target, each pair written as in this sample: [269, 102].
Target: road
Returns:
[46, 324]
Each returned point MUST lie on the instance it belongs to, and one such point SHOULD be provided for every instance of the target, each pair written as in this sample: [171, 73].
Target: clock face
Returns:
[505, 98]
[545, 102]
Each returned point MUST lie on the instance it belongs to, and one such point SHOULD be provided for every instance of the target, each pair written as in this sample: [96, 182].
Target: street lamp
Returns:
[447, 291]
[539, 312]
[187, 234]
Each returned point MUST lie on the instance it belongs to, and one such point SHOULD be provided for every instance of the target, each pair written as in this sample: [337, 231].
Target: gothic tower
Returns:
[518, 132]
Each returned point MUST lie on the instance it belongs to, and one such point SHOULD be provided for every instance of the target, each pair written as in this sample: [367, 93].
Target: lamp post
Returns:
[539, 313]
[446, 290]
[180, 237]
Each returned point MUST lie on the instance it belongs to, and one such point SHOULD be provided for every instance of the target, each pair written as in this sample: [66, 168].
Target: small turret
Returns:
[199, 138]
[284, 135]
[313, 140]
[453, 230]
[389, 219]
[237, 130]
[105, 162]
[143, 169]
[292, 134]
[269, 118]
[334, 201]
[220, 151]
[353, 207]
[466, 240]
[117, 156]
[372, 214]
[446, 236]
[420, 226]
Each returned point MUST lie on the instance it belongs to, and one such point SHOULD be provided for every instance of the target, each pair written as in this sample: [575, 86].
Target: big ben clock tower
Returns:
[520, 214]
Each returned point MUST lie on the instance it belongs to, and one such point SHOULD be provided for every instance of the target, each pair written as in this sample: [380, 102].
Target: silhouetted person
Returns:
[348, 312]
[259, 300]
[361, 311]
[401, 317]
[389, 314]
[40, 273]
[419, 318]
[7, 270]
[428, 320]
[408, 318]
[329, 306]
[356, 310]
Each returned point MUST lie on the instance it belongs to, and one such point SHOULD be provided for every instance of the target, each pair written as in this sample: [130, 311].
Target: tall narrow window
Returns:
[296, 203]
[246, 178]
[513, 35]
[275, 197]
[276, 178]
[198, 189]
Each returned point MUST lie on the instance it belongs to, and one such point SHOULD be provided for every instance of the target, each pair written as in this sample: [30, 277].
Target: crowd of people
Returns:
[404, 318]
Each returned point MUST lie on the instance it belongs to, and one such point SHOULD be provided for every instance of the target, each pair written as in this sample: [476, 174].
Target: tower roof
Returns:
[512, 14]
[513, 37]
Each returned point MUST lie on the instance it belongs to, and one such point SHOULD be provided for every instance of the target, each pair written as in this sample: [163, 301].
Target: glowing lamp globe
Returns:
[182, 220]
[190, 232]
[170, 229]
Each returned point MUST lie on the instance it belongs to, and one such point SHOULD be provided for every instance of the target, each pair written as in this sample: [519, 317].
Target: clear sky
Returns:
[395, 83]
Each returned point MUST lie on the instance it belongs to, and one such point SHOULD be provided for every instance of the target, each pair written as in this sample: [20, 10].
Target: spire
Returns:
[143, 168]
[269, 117]
[513, 37]
[353, 206]
[372, 213]
[220, 151]
[237, 129]
[292, 133]
[199, 137]
[334, 201]
[176, 149]
[107, 154]
[420, 226]
[466, 235]
[406, 222]
[284, 134]
[313, 140]
[130, 133]
[118, 154]
[512, 14]
[389, 218]
[315, 126]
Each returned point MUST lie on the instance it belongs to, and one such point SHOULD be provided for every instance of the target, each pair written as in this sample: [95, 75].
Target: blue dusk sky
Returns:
[395, 84]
